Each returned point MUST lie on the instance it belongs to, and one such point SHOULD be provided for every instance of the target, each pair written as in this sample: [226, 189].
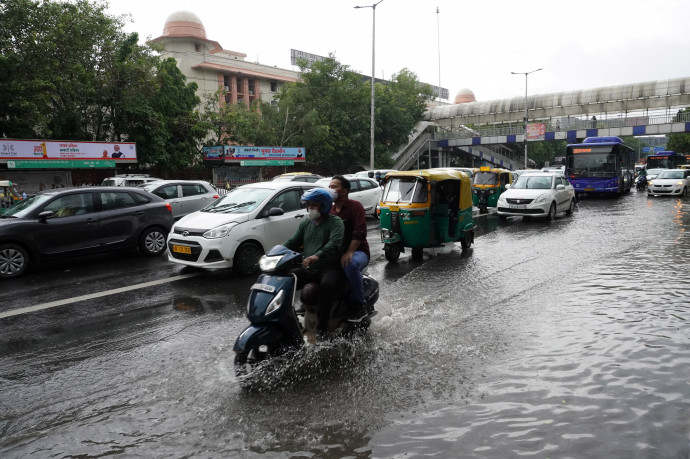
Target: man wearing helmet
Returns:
[321, 236]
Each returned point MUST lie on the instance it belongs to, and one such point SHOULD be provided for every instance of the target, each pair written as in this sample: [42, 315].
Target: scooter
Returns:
[275, 329]
[641, 182]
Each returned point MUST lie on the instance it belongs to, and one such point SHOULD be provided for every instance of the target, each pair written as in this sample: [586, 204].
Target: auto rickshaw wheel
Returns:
[466, 241]
[483, 209]
[417, 253]
[392, 252]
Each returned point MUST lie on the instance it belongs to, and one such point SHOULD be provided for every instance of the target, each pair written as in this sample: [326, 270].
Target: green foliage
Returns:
[679, 143]
[67, 71]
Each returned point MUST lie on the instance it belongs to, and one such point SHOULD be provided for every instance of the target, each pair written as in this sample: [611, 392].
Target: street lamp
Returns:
[373, 73]
[525, 73]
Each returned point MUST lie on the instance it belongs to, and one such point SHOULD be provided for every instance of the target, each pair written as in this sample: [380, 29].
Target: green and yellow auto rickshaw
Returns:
[425, 208]
[487, 185]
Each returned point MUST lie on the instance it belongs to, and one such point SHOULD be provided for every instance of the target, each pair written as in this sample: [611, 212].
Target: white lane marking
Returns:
[53, 304]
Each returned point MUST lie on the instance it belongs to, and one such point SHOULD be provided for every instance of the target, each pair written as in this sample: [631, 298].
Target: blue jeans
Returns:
[353, 273]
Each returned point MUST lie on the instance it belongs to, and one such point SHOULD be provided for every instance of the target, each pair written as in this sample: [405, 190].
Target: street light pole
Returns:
[525, 73]
[373, 74]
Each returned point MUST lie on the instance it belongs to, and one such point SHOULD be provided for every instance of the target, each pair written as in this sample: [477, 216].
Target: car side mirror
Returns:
[508, 186]
[43, 216]
[560, 186]
[275, 211]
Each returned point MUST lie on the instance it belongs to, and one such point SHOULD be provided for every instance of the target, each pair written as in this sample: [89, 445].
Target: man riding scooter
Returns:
[321, 236]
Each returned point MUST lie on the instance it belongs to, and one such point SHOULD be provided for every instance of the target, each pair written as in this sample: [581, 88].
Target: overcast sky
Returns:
[579, 44]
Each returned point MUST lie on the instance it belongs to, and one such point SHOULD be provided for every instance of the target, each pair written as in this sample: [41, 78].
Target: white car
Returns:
[670, 182]
[537, 194]
[238, 228]
[365, 190]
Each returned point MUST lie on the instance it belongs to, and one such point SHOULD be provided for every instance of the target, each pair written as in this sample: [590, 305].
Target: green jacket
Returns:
[324, 240]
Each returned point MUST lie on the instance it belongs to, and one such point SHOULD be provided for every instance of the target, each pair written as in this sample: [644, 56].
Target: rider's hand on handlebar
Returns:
[309, 260]
[346, 259]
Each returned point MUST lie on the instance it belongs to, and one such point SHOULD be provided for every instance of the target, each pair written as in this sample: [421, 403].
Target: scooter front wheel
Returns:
[246, 363]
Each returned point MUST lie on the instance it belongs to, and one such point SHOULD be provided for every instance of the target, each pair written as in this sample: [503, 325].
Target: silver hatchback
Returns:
[184, 196]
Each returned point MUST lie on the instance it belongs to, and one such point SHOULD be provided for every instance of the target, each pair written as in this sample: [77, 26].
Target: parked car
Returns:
[365, 190]
[298, 177]
[237, 229]
[670, 182]
[537, 194]
[185, 196]
[56, 223]
[129, 180]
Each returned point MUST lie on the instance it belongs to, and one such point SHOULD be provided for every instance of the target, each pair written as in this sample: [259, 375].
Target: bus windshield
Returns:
[408, 189]
[592, 165]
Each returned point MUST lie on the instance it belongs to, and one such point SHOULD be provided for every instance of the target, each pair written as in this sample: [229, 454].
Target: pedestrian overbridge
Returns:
[477, 132]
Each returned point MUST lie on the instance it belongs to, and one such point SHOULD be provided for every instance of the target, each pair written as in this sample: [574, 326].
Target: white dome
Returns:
[184, 23]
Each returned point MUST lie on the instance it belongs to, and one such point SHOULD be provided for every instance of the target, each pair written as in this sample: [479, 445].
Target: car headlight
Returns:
[219, 231]
[542, 198]
[681, 183]
[650, 183]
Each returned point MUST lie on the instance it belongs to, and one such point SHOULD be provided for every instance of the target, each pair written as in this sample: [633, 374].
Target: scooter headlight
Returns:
[268, 264]
[275, 302]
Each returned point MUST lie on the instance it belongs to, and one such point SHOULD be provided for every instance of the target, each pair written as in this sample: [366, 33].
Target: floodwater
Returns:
[562, 339]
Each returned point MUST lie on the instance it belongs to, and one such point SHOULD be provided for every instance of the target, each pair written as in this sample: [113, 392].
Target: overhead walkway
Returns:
[479, 131]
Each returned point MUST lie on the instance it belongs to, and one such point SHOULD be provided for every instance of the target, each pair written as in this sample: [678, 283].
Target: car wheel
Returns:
[571, 209]
[552, 212]
[152, 242]
[246, 259]
[392, 252]
[14, 260]
[683, 193]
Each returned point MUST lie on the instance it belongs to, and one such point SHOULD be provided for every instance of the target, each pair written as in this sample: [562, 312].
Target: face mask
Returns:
[314, 214]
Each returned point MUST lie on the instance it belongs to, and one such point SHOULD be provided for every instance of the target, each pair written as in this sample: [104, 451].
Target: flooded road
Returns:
[561, 339]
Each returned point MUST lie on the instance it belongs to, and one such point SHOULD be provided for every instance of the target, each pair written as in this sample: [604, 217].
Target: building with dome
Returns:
[464, 96]
[206, 63]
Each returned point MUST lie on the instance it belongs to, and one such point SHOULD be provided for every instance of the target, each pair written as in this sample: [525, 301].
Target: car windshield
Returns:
[486, 178]
[670, 175]
[533, 183]
[408, 189]
[240, 200]
[22, 208]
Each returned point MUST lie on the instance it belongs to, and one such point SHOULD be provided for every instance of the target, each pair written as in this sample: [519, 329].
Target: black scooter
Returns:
[275, 329]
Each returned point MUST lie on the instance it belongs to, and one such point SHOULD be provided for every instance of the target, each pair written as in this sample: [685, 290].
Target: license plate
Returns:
[264, 288]
[182, 249]
[394, 208]
[589, 189]
[517, 206]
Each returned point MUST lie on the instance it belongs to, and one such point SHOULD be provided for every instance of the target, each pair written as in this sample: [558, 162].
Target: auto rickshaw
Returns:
[425, 208]
[487, 185]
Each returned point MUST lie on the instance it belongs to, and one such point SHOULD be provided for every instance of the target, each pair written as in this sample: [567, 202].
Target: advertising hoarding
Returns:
[47, 150]
[236, 154]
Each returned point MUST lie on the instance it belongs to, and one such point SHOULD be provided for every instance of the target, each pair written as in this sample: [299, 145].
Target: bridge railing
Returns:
[563, 124]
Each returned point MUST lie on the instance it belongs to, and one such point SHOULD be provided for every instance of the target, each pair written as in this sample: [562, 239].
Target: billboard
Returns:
[236, 154]
[536, 131]
[66, 150]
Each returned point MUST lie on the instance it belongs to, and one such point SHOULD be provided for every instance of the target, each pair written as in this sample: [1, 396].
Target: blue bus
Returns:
[665, 160]
[600, 165]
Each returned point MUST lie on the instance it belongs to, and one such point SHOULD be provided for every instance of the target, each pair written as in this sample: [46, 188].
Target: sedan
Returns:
[670, 182]
[238, 228]
[365, 190]
[537, 194]
[185, 196]
[65, 222]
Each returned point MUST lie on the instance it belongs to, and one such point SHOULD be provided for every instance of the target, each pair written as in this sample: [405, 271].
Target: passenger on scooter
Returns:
[321, 236]
[355, 246]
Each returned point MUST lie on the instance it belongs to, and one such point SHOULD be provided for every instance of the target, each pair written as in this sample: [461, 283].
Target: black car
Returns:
[81, 221]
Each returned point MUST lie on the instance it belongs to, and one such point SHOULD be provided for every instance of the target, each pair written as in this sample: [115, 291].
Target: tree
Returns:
[328, 112]
[679, 142]
[231, 124]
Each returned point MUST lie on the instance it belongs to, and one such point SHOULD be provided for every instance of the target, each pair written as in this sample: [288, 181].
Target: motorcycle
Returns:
[641, 182]
[275, 328]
